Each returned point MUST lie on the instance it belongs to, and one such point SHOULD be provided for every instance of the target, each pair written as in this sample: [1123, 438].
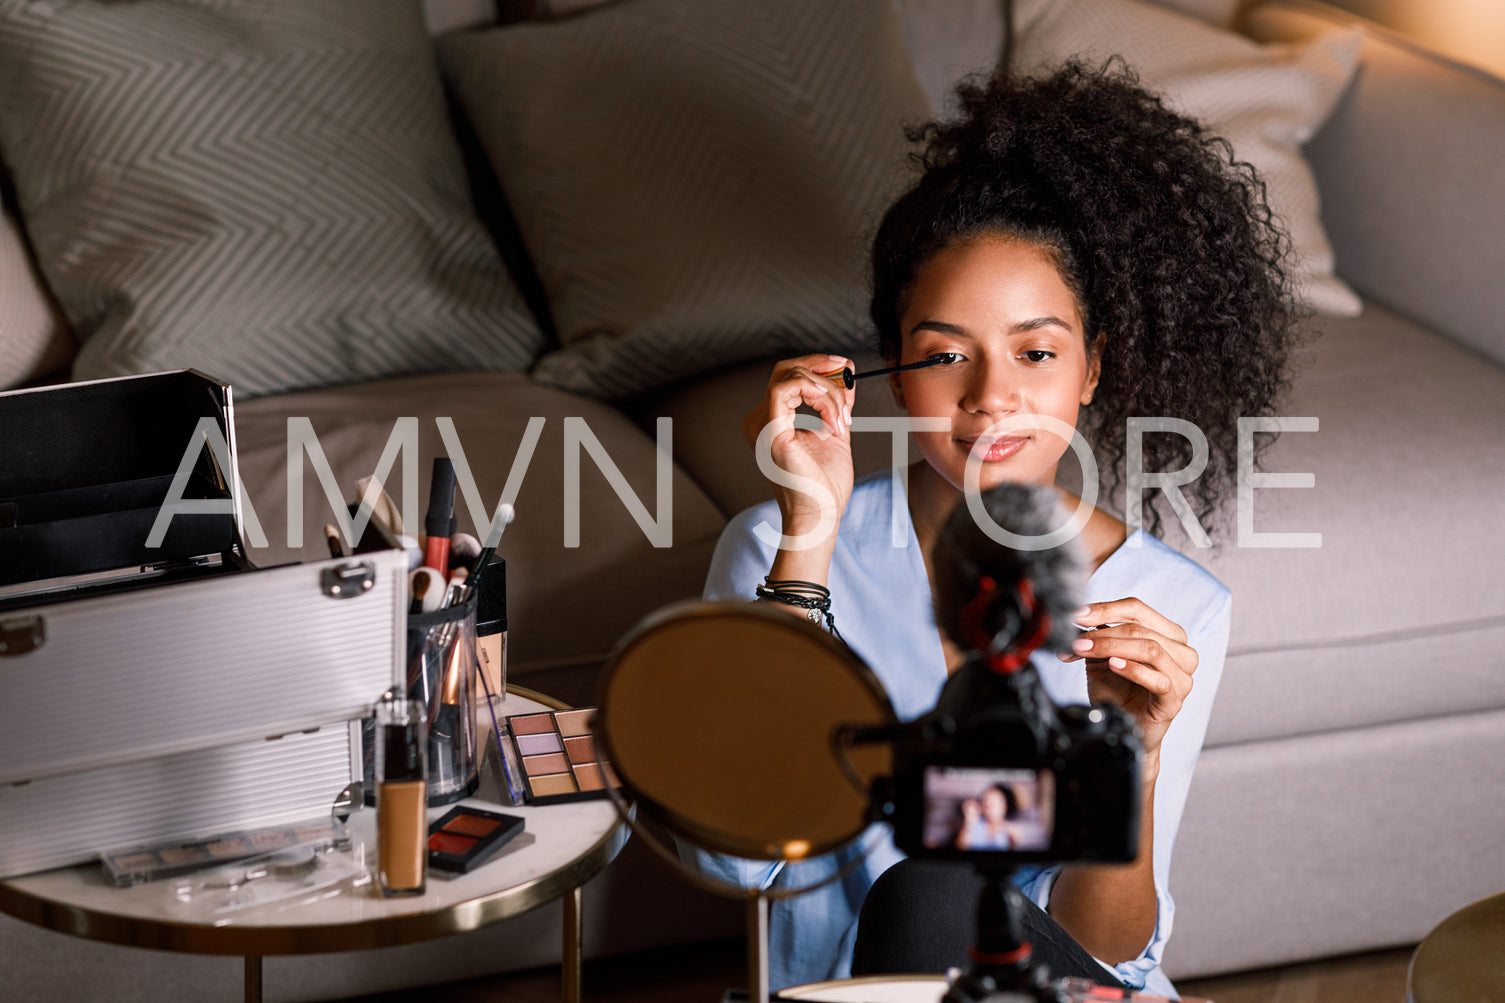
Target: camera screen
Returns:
[972, 808]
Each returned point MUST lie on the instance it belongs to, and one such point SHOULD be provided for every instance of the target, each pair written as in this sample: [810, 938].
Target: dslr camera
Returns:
[997, 771]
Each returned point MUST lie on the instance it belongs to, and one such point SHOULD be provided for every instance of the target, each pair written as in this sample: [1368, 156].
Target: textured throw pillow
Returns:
[950, 40]
[696, 180]
[266, 190]
[32, 341]
[1266, 100]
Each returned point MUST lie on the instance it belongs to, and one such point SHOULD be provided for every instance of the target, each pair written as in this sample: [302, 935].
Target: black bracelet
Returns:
[807, 595]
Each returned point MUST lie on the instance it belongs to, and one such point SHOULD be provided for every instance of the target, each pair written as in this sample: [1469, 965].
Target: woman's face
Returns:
[995, 807]
[1001, 306]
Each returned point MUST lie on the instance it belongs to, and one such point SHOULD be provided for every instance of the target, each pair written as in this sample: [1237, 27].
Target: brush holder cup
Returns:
[441, 675]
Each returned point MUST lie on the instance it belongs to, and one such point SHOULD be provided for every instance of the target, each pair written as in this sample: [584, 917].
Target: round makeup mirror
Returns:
[718, 718]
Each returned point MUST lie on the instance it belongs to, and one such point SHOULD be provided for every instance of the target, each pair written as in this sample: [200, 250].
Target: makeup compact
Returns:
[465, 838]
[559, 756]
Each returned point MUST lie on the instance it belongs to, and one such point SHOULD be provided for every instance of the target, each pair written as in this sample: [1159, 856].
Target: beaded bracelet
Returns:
[815, 599]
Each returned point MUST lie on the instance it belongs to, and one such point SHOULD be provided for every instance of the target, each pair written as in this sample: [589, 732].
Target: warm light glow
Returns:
[1471, 31]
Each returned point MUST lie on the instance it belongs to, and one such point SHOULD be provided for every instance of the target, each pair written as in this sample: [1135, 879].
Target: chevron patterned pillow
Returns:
[696, 180]
[266, 190]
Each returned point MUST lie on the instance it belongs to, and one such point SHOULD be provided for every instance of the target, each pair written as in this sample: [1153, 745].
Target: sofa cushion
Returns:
[567, 606]
[1396, 615]
[1334, 844]
[266, 190]
[695, 181]
[34, 342]
[1265, 100]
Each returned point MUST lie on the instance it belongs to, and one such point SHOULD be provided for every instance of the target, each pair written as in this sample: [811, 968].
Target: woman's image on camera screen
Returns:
[988, 809]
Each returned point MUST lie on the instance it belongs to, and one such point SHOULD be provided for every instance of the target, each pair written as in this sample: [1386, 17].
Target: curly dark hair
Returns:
[1167, 243]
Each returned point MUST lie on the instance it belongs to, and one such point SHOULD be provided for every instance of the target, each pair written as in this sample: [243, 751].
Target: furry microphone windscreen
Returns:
[964, 553]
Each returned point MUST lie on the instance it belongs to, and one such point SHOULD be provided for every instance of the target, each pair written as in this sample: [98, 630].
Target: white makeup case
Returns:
[157, 693]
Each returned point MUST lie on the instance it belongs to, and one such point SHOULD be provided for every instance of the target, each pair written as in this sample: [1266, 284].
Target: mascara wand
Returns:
[850, 378]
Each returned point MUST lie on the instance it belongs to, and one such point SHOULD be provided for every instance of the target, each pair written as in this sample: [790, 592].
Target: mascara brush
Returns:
[849, 378]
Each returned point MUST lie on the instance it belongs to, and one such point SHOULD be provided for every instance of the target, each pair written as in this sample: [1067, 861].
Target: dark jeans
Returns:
[921, 916]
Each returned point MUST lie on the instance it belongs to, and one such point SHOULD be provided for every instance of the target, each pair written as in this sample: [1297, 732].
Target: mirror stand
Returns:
[757, 948]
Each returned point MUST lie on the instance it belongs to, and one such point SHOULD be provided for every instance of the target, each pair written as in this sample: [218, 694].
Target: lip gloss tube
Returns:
[401, 797]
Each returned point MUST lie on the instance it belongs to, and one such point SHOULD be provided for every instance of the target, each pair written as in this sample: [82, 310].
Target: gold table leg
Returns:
[253, 978]
[573, 932]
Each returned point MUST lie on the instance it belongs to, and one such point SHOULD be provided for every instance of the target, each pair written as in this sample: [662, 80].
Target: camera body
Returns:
[998, 771]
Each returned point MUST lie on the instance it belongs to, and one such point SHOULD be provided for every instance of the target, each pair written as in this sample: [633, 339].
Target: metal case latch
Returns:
[346, 581]
[19, 635]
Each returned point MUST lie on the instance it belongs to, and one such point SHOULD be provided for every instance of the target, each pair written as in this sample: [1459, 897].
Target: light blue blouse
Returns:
[880, 597]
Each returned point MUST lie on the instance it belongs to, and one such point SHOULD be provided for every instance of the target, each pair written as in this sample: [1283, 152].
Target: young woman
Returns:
[985, 820]
[1071, 245]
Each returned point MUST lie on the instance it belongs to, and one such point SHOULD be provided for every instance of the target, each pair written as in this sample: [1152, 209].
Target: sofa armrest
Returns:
[1411, 167]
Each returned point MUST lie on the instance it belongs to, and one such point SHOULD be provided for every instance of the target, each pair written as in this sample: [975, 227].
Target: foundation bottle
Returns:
[491, 628]
[401, 797]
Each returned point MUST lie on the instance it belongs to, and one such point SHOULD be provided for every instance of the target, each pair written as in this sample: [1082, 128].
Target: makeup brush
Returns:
[449, 680]
[508, 513]
[849, 378]
[463, 550]
[427, 590]
[445, 754]
[385, 509]
[332, 538]
[456, 587]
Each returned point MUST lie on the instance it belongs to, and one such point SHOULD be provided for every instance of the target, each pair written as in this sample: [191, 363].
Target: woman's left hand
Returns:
[1141, 662]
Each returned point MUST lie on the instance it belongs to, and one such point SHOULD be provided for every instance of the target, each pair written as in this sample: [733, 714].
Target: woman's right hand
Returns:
[823, 456]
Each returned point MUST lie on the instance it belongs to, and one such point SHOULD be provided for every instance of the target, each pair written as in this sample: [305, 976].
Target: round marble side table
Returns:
[569, 844]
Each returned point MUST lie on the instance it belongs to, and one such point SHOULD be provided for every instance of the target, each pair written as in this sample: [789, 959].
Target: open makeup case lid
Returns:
[112, 652]
[85, 468]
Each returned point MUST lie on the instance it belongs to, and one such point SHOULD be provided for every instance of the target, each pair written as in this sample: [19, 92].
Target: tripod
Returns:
[1003, 969]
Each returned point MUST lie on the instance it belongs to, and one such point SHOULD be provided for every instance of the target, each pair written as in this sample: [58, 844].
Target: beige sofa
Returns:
[1352, 789]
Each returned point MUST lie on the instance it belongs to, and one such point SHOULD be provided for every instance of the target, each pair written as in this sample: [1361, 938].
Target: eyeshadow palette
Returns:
[138, 864]
[559, 758]
[465, 837]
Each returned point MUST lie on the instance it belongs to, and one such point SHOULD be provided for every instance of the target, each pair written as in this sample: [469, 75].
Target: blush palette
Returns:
[559, 757]
[465, 837]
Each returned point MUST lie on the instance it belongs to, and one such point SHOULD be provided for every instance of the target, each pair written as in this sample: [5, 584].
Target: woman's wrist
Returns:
[810, 565]
[1149, 769]
[805, 518]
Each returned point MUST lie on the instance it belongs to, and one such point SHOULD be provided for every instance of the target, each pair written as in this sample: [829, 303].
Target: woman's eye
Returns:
[943, 358]
[1039, 355]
